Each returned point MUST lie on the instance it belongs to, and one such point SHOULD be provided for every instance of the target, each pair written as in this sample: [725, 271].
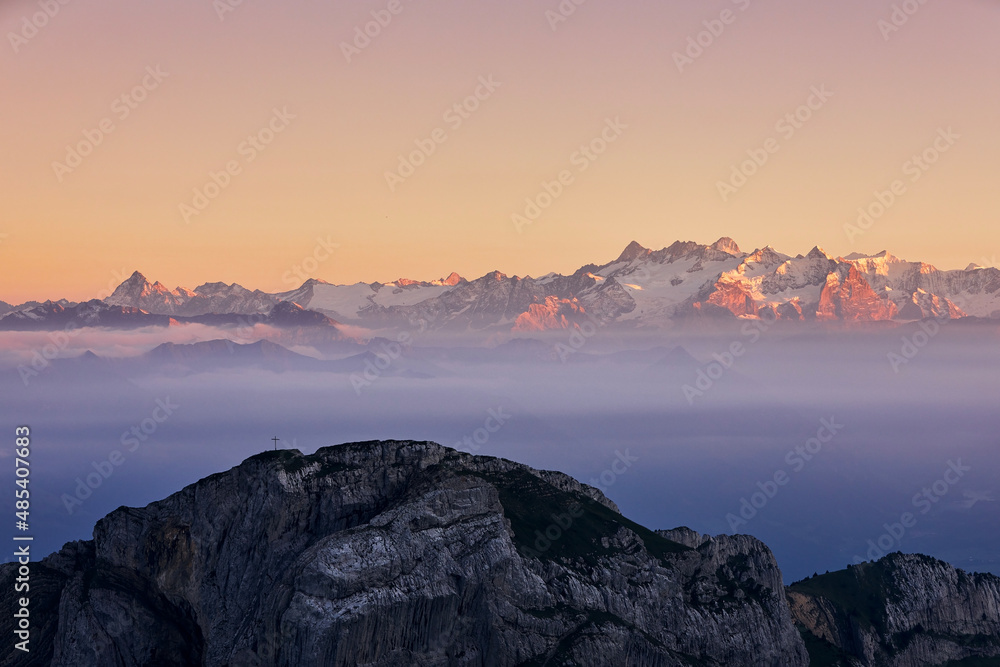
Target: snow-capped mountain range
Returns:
[641, 288]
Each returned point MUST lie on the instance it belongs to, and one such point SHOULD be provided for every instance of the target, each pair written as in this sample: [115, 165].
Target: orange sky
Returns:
[69, 234]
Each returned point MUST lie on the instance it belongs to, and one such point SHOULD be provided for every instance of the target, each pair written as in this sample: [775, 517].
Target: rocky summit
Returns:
[409, 553]
[401, 553]
[906, 610]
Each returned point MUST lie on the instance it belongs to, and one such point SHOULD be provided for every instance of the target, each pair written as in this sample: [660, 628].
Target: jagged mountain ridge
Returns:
[650, 287]
[216, 298]
[641, 288]
[67, 316]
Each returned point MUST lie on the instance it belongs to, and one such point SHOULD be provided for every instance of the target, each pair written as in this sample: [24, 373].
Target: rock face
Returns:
[733, 297]
[852, 300]
[902, 611]
[555, 313]
[402, 553]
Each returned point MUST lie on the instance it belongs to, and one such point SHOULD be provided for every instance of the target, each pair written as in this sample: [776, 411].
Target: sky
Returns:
[116, 115]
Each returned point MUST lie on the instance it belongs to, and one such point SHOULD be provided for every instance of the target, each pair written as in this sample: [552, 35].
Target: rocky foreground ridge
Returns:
[906, 610]
[409, 553]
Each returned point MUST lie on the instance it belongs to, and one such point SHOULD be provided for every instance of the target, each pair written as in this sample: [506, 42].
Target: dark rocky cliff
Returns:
[902, 611]
[402, 553]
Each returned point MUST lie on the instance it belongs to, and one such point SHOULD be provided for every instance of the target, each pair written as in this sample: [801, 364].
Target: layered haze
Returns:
[618, 413]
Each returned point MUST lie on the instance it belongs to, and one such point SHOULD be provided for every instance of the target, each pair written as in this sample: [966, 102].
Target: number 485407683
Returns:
[23, 472]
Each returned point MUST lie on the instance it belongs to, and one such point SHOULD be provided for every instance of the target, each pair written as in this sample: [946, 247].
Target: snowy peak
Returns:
[137, 292]
[495, 277]
[632, 252]
[883, 264]
[209, 289]
[135, 286]
[679, 249]
[208, 298]
[135, 281]
[818, 253]
[885, 255]
[452, 280]
[766, 256]
[726, 244]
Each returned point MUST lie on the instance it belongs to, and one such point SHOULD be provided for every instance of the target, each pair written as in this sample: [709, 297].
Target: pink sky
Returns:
[340, 126]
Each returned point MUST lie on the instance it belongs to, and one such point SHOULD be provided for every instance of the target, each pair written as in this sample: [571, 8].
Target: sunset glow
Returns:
[215, 144]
